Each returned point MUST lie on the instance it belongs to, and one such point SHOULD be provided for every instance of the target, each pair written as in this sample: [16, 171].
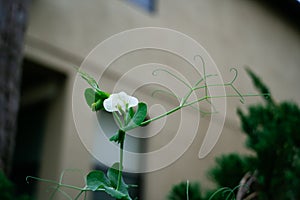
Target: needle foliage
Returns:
[273, 135]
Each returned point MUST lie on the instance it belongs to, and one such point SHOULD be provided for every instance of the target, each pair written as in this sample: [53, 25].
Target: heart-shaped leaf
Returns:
[137, 118]
[113, 174]
[96, 179]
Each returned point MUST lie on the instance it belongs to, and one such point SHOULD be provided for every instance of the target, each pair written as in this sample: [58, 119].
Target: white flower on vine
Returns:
[120, 102]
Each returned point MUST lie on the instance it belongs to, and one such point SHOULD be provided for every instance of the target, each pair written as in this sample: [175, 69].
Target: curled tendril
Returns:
[155, 73]
[235, 74]
[184, 100]
[242, 99]
[198, 56]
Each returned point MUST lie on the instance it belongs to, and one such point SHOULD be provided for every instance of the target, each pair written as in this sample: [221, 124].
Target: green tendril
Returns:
[64, 193]
[184, 101]
[155, 73]
[242, 99]
[54, 192]
[202, 79]
[172, 94]
[204, 72]
[69, 170]
[55, 183]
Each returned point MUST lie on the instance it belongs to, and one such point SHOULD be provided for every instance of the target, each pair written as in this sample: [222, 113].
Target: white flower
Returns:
[119, 102]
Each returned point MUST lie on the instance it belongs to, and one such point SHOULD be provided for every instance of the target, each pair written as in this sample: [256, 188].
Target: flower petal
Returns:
[108, 105]
[119, 102]
[132, 102]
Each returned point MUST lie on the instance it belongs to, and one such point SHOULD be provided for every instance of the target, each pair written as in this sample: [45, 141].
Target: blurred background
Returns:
[264, 35]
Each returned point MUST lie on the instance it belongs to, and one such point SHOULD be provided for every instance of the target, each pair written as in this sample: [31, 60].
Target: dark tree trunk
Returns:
[13, 18]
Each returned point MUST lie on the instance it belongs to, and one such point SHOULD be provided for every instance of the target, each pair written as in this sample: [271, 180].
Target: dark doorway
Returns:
[40, 86]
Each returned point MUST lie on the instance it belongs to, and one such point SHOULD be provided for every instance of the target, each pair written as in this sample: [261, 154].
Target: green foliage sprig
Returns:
[127, 119]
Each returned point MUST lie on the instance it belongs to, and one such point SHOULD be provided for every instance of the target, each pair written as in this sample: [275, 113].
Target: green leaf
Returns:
[131, 112]
[118, 137]
[97, 179]
[137, 118]
[112, 175]
[91, 96]
[116, 193]
[90, 80]
[95, 98]
[114, 138]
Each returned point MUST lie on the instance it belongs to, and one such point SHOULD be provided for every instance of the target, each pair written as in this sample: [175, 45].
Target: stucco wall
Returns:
[234, 32]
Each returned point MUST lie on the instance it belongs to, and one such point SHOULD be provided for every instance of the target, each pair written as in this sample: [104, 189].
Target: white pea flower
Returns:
[119, 102]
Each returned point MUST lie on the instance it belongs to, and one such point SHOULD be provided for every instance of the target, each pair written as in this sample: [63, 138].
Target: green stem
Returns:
[162, 115]
[77, 197]
[118, 119]
[212, 85]
[64, 194]
[121, 163]
[184, 100]
[187, 190]
[193, 102]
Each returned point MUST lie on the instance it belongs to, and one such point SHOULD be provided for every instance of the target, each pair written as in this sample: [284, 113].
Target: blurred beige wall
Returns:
[236, 33]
